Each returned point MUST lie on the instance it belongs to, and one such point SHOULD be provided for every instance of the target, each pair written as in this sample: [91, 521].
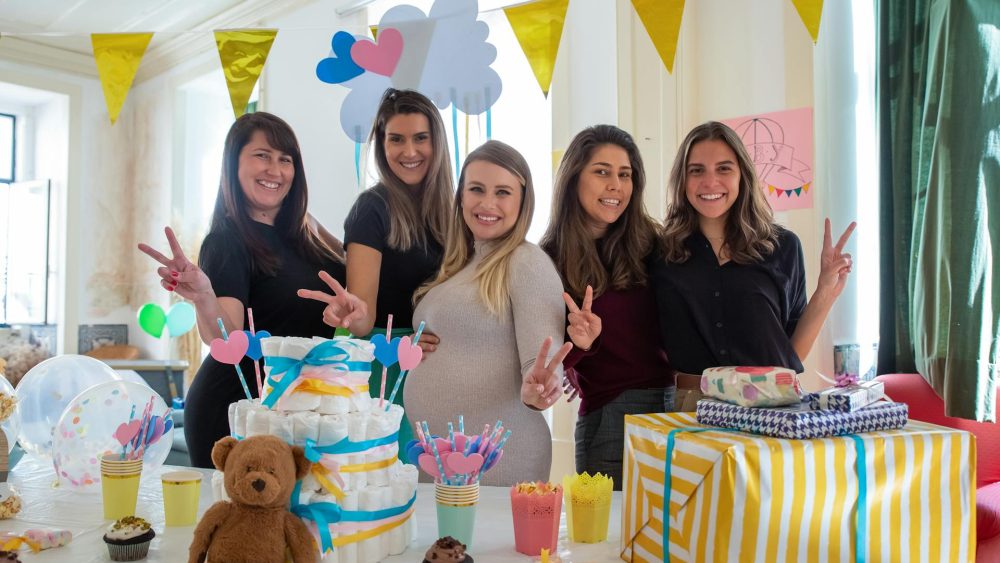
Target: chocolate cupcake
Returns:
[128, 539]
[447, 550]
[9, 557]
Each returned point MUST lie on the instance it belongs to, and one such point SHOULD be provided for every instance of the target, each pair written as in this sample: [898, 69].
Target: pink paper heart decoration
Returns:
[443, 445]
[459, 442]
[126, 431]
[382, 56]
[461, 464]
[231, 351]
[427, 463]
[409, 356]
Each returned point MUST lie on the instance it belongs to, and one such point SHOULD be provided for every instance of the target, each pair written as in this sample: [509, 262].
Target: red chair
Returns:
[926, 406]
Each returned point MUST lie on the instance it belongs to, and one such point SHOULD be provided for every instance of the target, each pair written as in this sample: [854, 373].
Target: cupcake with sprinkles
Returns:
[128, 539]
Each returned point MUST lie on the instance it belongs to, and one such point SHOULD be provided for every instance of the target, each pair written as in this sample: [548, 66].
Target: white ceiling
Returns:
[57, 32]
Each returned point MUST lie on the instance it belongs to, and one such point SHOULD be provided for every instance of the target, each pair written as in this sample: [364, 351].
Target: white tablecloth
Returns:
[81, 512]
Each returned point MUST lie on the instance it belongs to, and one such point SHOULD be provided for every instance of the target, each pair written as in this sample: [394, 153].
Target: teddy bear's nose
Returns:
[259, 485]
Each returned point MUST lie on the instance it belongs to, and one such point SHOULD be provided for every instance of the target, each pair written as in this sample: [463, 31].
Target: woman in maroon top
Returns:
[600, 238]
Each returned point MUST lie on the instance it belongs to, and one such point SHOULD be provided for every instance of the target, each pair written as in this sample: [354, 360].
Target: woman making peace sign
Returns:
[262, 247]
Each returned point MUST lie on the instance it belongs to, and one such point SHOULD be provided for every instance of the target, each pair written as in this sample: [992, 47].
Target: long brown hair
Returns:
[291, 223]
[750, 232]
[494, 270]
[413, 212]
[616, 260]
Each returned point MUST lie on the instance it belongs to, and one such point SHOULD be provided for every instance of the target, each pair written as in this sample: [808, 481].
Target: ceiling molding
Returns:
[39, 54]
[176, 49]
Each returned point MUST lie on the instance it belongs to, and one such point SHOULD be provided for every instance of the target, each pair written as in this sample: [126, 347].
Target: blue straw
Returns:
[239, 372]
[461, 424]
[451, 435]
[399, 380]
[496, 450]
[437, 456]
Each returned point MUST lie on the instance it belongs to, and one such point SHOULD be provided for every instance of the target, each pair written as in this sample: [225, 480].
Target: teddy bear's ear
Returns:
[220, 451]
[302, 464]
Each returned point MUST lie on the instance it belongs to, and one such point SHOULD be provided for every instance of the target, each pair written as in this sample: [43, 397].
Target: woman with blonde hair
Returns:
[495, 304]
[731, 286]
[395, 230]
[601, 239]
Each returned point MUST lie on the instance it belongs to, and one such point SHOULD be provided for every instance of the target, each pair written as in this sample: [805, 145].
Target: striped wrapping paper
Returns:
[742, 497]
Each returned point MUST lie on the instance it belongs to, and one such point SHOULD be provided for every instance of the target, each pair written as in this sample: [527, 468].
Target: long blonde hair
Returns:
[493, 272]
[617, 260]
[413, 213]
[751, 233]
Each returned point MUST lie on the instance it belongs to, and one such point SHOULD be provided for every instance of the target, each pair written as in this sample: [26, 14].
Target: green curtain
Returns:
[939, 118]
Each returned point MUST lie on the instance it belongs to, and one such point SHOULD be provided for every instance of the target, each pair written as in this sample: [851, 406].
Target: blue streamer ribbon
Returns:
[357, 163]
[454, 129]
[345, 446]
[326, 513]
[327, 353]
[860, 513]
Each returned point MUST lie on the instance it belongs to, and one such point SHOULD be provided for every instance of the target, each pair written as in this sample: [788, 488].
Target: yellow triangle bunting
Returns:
[662, 20]
[538, 27]
[374, 30]
[117, 56]
[243, 53]
[810, 11]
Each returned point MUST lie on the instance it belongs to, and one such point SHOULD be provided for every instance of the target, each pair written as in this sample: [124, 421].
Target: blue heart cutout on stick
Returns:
[254, 352]
[386, 351]
[339, 68]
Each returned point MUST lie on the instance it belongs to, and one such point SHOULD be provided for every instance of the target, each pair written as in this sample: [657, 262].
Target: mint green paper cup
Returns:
[456, 511]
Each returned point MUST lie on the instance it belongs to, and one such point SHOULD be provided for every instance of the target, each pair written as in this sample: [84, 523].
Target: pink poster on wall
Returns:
[781, 146]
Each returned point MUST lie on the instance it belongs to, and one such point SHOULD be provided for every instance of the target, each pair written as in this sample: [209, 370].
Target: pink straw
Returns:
[385, 370]
[256, 366]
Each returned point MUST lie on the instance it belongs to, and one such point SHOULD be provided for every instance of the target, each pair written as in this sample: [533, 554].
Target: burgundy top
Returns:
[627, 354]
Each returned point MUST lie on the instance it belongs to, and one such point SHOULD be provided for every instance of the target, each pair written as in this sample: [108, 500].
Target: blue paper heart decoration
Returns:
[254, 352]
[413, 453]
[386, 352]
[340, 67]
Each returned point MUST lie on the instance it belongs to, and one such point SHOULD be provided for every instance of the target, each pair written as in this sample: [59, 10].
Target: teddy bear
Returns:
[254, 525]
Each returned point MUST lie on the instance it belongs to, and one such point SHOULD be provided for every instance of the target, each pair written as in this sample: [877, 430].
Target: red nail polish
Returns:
[174, 274]
[170, 288]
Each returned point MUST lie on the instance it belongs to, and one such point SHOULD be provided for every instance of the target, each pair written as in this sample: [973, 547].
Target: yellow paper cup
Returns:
[119, 485]
[181, 490]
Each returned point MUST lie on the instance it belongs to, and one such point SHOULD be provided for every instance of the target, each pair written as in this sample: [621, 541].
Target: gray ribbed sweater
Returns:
[476, 371]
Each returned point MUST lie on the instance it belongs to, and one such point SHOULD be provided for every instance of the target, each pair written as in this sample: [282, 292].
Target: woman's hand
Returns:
[584, 326]
[342, 308]
[179, 274]
[540, 387]
[571, 384]
[428, 341]
[835, 264]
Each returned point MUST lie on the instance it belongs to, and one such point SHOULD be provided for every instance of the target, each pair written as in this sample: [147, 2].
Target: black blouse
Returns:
[402, 272]
[733, 314]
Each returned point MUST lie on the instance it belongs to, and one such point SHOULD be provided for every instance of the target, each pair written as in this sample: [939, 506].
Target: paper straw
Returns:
[482, 440]
[399, 380]
[437, 456]
[239, 372]
[256, 366]
[451, 435]
[385, 370]
[495, 451]
[461, 424]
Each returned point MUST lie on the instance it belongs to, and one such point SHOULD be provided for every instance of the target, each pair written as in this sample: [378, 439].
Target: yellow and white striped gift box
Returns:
[742, 497]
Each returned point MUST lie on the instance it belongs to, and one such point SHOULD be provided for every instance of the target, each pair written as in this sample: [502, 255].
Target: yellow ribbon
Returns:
[318, 387]
[370, 466]
[320, 472]
[15, 544]
[368, 534]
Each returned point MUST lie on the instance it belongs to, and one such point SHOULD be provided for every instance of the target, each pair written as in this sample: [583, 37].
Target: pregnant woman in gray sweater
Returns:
[496, 305]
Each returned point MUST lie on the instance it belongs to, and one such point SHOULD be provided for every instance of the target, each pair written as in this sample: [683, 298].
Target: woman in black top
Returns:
[262, 247]
[731, 286]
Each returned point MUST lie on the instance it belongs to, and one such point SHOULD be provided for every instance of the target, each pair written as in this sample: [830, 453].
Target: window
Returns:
[24, 252]
[7, 147]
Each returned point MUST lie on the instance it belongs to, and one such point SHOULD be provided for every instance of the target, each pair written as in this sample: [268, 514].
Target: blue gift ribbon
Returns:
[860, 512]
[327, 353]
[345, 446]
[326, 513]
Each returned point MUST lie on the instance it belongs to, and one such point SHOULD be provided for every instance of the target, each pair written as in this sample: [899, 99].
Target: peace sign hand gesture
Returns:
[342, 308]
[584, 326]
[835, 264]
[541, 387]
[179, 274]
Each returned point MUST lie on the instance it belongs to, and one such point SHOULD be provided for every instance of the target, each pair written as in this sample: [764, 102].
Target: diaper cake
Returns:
[358, 498]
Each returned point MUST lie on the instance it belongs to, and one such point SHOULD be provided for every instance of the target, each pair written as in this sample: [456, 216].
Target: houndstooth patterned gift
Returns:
[850, 398]
[799, 422]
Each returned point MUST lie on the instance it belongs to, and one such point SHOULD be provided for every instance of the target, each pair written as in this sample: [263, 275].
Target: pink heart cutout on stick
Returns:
[126, 431]
[428, 464]
[382, 56]
[408, 355]
[462, 464]
[231, 351]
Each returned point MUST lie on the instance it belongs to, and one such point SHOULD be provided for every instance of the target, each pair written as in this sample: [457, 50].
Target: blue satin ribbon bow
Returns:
[345, 446]
[326, 513]
[327, 353]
